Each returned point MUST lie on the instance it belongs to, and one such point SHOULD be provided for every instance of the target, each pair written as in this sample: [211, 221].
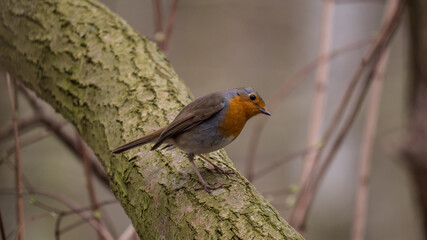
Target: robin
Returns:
[205, 125]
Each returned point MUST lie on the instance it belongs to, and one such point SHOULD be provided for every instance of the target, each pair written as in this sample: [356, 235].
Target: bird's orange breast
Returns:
[239, 111]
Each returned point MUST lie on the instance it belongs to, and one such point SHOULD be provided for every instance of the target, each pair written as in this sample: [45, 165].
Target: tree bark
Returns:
[115, 85]
[415, 147]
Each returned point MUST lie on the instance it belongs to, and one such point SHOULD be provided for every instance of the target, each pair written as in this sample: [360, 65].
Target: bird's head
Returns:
[250, 102]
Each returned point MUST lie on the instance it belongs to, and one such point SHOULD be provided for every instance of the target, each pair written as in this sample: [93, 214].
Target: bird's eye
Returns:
[252, 97]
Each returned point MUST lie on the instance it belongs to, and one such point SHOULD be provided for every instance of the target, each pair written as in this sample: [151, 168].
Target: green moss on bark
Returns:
[115, 85]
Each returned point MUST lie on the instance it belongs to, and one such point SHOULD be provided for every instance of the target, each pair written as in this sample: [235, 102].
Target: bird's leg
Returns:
[206, 186]
[216, 167]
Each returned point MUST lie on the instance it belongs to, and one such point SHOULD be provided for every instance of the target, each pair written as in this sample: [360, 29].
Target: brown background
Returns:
[225, 44]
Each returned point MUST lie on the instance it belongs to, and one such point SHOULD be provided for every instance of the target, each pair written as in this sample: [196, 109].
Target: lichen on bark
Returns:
[115, 85]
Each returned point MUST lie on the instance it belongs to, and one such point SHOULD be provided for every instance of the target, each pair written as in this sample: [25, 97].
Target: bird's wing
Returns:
[192, 115]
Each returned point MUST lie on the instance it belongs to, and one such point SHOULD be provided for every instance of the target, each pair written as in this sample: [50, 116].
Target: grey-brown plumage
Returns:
[191, 115]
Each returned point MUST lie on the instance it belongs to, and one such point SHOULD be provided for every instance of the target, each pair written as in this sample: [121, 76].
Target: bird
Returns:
[207, 124]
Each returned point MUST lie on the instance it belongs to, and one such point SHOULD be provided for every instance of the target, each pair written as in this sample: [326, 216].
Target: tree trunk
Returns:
[114, 85]
[415, 148]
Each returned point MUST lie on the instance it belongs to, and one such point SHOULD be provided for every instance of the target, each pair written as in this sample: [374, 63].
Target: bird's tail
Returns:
[140, 141]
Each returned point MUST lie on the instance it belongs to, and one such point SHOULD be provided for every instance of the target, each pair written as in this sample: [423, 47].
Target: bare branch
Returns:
[19, 202]
[279, 162]
[360, 211]
[158, 25]
[24, 124]
[288, 85]
[88, 208]
[169, 27]
[69, 227]
[24, 143]
[45, 207]
[128, 233]
[320, 96]
[301, 208]
[70, 204]
[358, 1]
[27, 222]
[366, 151]
[89, 182]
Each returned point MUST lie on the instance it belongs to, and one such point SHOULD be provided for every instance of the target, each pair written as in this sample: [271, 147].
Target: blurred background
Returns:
[222, 44]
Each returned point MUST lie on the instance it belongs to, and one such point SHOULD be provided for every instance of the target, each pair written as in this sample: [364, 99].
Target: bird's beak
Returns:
[264, 111]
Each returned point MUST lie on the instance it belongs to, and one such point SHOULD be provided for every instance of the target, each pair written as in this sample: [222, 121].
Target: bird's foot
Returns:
[216, 167]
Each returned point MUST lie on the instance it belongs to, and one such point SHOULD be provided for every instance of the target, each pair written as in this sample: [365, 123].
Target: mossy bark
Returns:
[115, 85]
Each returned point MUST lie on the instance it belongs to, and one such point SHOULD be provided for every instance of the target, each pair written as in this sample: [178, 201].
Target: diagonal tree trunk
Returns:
[415, 148]
[114, 85]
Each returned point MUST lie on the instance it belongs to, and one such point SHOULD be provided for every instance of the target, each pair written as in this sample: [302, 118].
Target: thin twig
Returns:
[303, 203]
[75, 209]
[24, 143]
[107, 221]
[358, 1]
[366, 151]
[368, 59]
[69, 203]
[12, 167]
[320, 95]
[28, 222]
[360, 211]
[299, 215]
[64, 212]
[58, 225]
[2, 231]
[88, 173]
[169, 27]
[279, 162]
[18, 178]
[89, 182]
[128, 233]
[71, 226]
[295, 79]
[45, 207]
[24, 124]
[61, 214]
[158, 25]
[88, 208]
[288, 85]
